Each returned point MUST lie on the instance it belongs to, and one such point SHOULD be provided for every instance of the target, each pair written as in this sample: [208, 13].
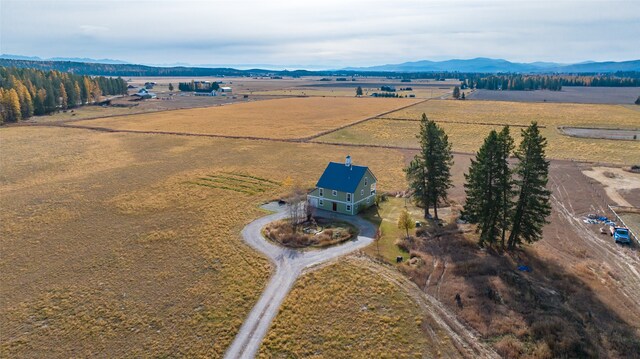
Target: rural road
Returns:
[289, 264]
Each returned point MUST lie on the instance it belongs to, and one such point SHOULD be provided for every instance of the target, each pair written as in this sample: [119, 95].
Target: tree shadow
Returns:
[540, 310]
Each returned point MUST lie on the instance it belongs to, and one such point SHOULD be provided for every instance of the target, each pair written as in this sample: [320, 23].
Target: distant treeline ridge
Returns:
[26, 92]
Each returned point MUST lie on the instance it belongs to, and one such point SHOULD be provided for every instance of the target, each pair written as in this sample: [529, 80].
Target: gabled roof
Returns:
[342, 178]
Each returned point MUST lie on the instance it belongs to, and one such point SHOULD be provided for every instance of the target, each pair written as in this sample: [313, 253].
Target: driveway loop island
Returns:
[289, 264]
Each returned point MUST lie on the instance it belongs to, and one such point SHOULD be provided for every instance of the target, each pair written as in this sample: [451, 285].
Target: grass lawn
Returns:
[386, 217]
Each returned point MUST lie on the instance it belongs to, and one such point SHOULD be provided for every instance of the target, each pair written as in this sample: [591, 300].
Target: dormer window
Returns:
[321, 192]
[348, 197]
[334, 193]
[366, 181]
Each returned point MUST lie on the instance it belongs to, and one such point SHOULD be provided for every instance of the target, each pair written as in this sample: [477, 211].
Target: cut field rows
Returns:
[237, 182]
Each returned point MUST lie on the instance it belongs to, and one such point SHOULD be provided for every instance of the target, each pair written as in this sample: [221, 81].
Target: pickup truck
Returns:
[620, 234]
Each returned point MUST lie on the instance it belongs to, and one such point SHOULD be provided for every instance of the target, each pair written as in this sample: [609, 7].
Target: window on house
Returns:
[322, 202]
[362, 192]
[366, 180]
[348, 207]
[334, 193]
[321, 192]
[368, 200]
[348, 197]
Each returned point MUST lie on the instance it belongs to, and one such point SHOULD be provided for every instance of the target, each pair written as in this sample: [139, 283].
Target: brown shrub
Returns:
[509, 347]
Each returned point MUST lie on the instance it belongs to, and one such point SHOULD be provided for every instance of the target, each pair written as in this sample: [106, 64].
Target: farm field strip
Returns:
[288, 118]
[459, 122]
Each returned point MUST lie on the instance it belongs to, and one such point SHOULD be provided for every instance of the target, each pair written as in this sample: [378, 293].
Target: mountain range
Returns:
[487, 65]
[478, 65]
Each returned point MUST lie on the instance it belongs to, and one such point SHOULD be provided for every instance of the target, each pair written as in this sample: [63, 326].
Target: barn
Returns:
[344, 188]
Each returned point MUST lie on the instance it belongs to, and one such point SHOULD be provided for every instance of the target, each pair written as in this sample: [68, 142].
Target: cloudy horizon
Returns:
[327, 34]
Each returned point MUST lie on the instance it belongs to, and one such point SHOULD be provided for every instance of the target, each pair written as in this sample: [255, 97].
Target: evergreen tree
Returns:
[435, 156]
[170, 87]
[532, 205]
[483, 189]
[359, 91]
[505, 179]
[638, 101]
[456, 92]
[462, 97]
[417, 178]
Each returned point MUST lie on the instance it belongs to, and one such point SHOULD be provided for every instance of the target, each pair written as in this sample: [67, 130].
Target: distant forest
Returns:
[26, 92]
[544, 82]
[479, 80]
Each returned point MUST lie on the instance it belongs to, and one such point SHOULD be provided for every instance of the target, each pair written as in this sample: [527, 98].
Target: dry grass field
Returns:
[419, 92]
[467, 137]
[282, 118]
[344, 310]
[112, 246]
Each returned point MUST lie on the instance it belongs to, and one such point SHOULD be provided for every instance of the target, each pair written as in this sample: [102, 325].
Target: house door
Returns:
[335, 206]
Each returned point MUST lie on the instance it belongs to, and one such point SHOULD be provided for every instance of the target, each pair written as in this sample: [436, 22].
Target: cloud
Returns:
[330, 32]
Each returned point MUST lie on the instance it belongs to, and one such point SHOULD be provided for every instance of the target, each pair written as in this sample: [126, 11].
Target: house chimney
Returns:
[347, 161]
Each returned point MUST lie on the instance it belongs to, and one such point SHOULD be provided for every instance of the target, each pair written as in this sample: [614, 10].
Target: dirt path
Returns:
[289, 265]
[573, 197]
[614, 181]
[464, 339]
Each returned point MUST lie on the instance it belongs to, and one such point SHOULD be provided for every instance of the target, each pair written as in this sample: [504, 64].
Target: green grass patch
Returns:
[386, 218]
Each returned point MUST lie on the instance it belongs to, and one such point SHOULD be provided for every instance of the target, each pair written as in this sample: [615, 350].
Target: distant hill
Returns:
[74, 59]
[486, 65]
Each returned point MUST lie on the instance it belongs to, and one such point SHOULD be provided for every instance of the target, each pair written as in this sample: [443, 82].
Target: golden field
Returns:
[419, 92]
[345, 310]
[468, 137]
[282, 118]
[110, 246]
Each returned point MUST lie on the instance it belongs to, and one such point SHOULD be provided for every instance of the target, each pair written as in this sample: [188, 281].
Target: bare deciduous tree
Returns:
[298, 207]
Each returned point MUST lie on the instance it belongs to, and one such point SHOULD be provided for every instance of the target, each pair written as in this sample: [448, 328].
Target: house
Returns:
[206, 93]
[225, 89]
[344, 188]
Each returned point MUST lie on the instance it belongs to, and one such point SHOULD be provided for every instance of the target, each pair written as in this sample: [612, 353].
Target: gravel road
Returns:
[289, 264]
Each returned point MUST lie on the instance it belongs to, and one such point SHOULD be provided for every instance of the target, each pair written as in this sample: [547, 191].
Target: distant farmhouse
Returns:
[344, 188]
[144, 94]
[225, 89]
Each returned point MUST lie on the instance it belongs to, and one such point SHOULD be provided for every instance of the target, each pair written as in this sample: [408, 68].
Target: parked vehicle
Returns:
[620, 234]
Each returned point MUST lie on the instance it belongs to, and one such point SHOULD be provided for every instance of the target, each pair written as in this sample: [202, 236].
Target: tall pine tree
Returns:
[417, 177]
[532, 174]
[436, 160]
[505, 178]
[483, 189]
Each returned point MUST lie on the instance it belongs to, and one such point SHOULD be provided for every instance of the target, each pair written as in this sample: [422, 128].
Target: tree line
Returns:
[28, 92]
[547, 82]
[194, 86]
[615, 79]
[508, 202]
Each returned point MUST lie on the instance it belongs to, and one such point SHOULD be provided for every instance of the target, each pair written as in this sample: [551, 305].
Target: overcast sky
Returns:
[323, 33]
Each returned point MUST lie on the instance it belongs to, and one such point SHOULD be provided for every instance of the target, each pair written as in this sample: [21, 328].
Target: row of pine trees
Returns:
[518, 82]
[28, 92]
[508, 201]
